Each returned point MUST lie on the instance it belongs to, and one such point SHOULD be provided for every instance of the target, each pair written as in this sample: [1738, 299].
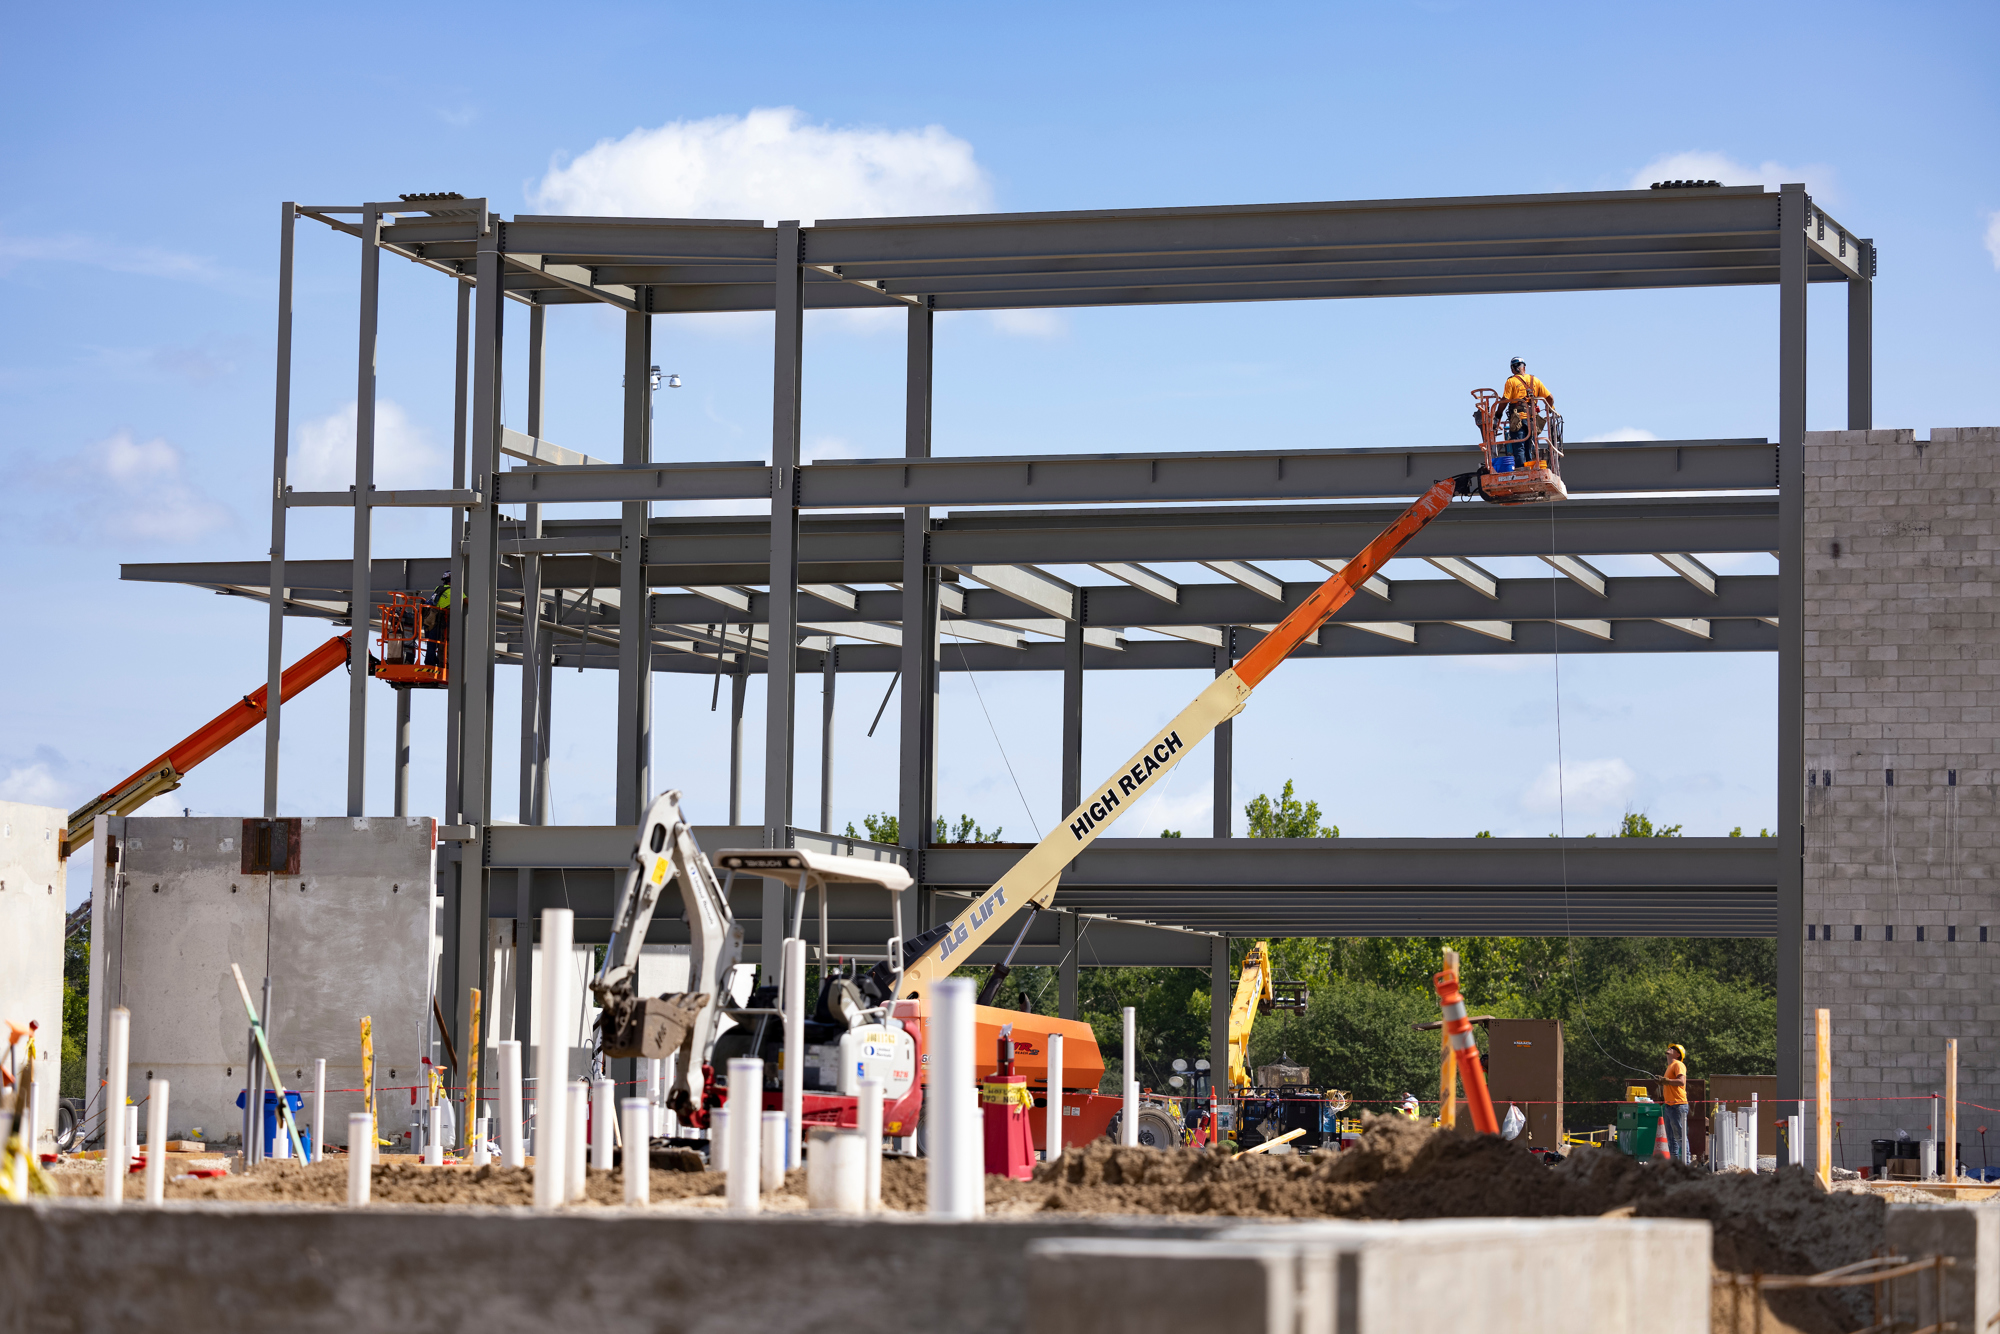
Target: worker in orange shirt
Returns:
[1674, 1093]
[1516, 397]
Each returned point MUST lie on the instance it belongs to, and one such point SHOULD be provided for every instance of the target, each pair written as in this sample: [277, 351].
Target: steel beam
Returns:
[781, 686]
[533, 742]
[474, 614]
[635, 692]
[1223, 740]
[1790, 633]
[281, 436]
[1218, 1020]
[1105, 479]
[1861, 344]
[1071, 795]
[364, 485]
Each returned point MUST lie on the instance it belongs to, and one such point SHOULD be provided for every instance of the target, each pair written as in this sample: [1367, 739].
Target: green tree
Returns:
[882, 828]
[885, 828]
[1170, 833]
[76, 1009]
[1637, 825]
[1288, 817]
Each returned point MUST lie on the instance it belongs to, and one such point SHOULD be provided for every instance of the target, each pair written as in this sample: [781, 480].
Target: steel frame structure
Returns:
[542, 593]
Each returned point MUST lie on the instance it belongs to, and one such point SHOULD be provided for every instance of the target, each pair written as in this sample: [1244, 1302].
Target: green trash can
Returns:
[1638, 1128]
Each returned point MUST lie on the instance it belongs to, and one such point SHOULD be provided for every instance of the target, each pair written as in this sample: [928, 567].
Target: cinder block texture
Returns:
[31, 939]
[1970, 1234]
[353, 934]
[1545, 1275]
[1902, 741]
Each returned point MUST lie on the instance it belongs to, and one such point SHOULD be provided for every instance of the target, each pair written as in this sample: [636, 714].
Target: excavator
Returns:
[1521, 464]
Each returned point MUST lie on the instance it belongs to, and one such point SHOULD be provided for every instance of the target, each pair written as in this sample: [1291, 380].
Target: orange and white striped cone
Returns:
[1660, 1142]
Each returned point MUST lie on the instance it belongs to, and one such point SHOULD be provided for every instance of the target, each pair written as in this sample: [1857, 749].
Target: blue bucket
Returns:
[272, 1125]
[1503, 463]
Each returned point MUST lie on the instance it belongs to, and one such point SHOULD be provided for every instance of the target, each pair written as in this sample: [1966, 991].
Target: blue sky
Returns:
[149, 151]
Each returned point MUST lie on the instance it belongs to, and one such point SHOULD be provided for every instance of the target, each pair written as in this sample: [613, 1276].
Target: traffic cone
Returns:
[1660, 1142]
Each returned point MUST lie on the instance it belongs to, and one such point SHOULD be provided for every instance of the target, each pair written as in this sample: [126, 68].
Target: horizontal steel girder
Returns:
[1206, 476]
[1245, 866]
[868, 549]
[1521, 243]
[1353, 887]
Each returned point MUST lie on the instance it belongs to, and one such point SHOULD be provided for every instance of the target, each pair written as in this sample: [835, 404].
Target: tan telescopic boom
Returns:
[1033, 879]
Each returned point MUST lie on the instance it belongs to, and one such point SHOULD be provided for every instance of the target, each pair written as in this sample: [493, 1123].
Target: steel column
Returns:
[916, 786]
[1072, 714]
[1066, 970]
[545, 677]
[402, 767]
[829, 665]
[281, 435]
[532, 667]
[1224, 741]
[635, 629]
[454, 695]
[473, 629]
[1791, 640]
[361, 597]
[1861, 344]
[1218, 1020]
[739, 685]
[781, 669]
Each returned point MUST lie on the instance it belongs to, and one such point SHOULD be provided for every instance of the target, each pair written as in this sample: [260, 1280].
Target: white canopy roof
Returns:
[793, 865]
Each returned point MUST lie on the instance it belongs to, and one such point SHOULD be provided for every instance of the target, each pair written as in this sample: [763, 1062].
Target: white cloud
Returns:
[1030, 323]
[1700, 165]
[126, 489]
[34, 784]
[1993, 238]
[117, 256]
[1622, 433]
[770, 165]
[405, 455]
[1586, 786]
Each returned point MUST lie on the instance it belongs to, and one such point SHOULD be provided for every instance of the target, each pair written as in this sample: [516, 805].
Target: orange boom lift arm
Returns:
[164, 773]
[1032, 881]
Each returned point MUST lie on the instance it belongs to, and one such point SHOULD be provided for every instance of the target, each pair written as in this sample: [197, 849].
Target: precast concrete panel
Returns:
[31, 939]
[353, 934]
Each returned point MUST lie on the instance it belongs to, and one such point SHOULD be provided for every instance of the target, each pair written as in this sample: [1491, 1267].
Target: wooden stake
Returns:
[1447, 1083]
[1951, 1111]
[1823, 1095]
[472, 1074]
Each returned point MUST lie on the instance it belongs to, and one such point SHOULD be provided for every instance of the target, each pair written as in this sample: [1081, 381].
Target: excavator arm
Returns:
[1253, 993]
[660, 1026]
[164, 773]
[1032, 881]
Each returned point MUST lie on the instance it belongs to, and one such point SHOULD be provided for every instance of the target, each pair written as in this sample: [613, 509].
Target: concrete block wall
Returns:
[353, 934]
[31, 941]
[1902, 743]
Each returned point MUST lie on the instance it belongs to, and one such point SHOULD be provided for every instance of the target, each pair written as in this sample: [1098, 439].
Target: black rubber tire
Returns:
[69, 1115]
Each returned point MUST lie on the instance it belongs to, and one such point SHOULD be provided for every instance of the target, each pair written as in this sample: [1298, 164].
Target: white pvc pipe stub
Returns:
[638, 1150]
[360, 1137]
[744, 1143]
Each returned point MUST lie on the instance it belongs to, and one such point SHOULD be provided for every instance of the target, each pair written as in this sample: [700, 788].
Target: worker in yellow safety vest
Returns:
[1516, 397]
[1410, 1107]
[439, 615]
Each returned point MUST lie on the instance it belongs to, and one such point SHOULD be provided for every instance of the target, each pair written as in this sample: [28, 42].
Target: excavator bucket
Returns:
[651, 1026]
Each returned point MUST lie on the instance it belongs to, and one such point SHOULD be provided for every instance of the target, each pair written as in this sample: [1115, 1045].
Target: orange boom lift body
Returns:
[164, 773]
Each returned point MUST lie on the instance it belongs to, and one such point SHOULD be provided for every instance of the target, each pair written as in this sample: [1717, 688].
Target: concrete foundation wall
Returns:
[31, 939]
[1902, 737]
[353, 934]
[77, 1265]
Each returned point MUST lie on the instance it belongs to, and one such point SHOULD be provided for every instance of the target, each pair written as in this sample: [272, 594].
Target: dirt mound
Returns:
[1782, 1224]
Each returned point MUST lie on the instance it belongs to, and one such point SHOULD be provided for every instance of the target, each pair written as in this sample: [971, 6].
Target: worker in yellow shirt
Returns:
[1674, 1093]
[1516, 396]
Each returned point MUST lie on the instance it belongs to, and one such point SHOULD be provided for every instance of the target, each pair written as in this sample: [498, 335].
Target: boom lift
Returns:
[658, 1027]
[164, 772]
[1032, 881]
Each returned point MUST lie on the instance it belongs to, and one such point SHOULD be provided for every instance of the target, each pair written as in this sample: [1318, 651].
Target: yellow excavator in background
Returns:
[1256, 993]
